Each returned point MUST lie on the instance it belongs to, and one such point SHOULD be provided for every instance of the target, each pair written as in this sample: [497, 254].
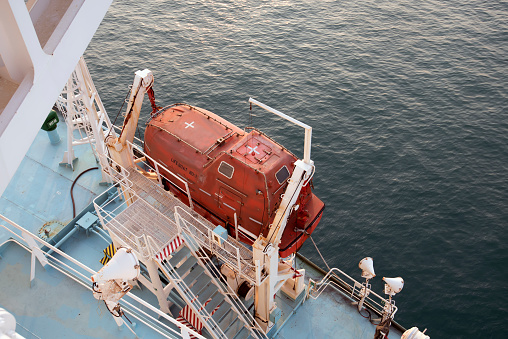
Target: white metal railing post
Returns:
[307, 145]
[189, 196]
[158, 175]
[238, 260]
[236, 227]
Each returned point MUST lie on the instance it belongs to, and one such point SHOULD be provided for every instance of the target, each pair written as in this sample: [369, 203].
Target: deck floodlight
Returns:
[393, 285]
[123, 266]
[414, 333]
[367, 267]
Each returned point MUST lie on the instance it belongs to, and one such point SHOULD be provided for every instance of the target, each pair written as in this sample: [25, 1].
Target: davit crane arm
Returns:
[118, 146]
[302, 173]
[280, 273]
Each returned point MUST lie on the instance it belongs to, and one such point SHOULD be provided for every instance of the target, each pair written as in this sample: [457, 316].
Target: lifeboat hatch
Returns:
[254, 150]
[229, 203]
[195, 128]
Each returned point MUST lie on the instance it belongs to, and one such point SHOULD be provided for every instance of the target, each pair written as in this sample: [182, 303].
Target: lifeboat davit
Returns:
[231, 173]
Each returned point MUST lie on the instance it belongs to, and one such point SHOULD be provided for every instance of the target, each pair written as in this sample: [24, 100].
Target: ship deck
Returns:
[57, 306]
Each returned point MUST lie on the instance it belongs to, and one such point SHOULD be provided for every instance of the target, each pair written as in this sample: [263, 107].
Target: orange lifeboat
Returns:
[230, 173]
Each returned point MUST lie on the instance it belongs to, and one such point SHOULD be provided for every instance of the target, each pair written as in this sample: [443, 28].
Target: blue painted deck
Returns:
[57, 306]
[40, 190]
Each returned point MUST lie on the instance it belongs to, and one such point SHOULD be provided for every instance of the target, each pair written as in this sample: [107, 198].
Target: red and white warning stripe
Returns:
[184, 322]
[170, 248]
[188, 314]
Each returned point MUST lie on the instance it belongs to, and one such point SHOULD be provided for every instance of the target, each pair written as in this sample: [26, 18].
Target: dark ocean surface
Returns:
[408, 101]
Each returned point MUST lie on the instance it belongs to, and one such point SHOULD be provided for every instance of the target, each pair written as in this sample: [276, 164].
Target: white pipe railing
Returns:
[203, 236]
[308, 129]
[136, 241]
[190, 298]
[157, 167]
[354, 286]
[183, 329]
[237, 305]
[107, 219]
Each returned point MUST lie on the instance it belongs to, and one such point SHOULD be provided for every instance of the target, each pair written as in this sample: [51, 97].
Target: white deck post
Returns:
[36, 252]
[157, 285]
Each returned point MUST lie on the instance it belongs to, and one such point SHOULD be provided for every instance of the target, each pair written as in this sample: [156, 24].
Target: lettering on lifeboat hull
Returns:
[230, 172]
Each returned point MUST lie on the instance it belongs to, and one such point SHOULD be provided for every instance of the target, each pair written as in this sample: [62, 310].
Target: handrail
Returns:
[135, 241]
[107, 218]
[157, 165]
[316, 288]
[159, 175]
[182, 327]
[185, 292]
[234, 259]
[230, 294]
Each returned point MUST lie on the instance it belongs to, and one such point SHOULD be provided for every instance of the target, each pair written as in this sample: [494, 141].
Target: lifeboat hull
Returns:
[236, 177]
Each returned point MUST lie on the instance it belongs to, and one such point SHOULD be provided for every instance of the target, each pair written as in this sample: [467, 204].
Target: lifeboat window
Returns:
[226, 170]
[282, 174]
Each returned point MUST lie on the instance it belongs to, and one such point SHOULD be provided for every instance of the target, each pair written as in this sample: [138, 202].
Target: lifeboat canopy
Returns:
[236, 177]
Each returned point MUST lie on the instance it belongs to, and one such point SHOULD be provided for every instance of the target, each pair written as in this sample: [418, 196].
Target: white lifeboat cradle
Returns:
[183, 245]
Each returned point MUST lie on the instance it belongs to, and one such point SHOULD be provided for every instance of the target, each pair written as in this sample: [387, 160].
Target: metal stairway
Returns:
[149, 220]
[191, 273]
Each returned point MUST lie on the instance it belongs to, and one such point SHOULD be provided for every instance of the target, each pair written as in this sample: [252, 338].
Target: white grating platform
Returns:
[140, 219]
[153, 214]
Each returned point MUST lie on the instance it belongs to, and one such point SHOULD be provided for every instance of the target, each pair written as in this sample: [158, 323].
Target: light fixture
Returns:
[367, 267]
[393, 285]
[415, 333]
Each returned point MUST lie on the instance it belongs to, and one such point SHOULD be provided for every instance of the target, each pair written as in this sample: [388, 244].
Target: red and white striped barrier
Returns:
[191, 318]
[184, 322]
[170, 248]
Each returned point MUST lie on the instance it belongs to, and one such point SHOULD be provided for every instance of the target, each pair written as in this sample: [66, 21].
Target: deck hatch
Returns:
[254, 150]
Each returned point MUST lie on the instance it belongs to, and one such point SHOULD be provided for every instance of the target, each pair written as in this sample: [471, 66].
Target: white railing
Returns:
[345, 284]
[190, 298]
[109, 211]
[204, 260]
[85, 280]
[157, 168]
[203, 235]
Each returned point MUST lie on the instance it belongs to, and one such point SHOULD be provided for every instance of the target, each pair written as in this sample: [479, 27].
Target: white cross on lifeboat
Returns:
[189, 125]
[253, 150]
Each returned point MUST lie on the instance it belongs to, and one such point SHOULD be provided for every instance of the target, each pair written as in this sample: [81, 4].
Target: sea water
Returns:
[408, 104]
